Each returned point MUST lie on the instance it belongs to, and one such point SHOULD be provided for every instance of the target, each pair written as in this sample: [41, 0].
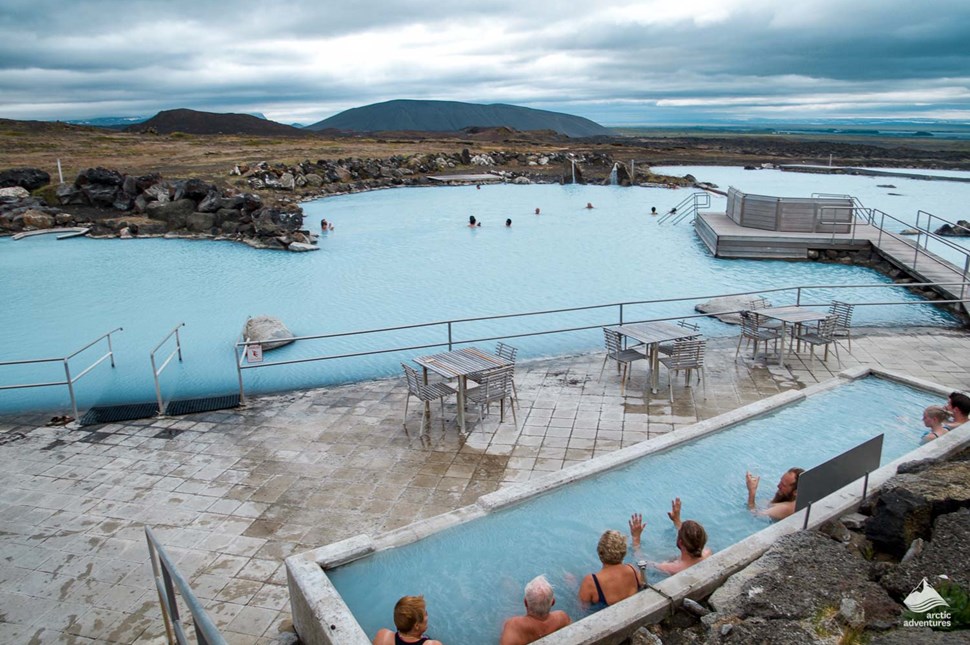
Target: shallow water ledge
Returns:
[321, 616]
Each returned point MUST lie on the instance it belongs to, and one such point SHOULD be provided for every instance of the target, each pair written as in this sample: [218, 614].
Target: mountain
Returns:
[194, 122]
[450, 116]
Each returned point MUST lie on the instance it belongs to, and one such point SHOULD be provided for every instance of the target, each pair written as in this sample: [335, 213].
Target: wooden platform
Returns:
[465, 178]
[726, 239]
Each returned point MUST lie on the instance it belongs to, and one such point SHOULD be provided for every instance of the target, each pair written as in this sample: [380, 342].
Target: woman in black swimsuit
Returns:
[616, 580]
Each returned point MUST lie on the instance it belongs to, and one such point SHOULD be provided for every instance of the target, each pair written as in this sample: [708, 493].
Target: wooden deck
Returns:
[726, 239]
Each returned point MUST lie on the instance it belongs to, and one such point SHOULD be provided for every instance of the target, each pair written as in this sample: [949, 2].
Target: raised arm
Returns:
[636, 530]
[674, 513]
[752, 483]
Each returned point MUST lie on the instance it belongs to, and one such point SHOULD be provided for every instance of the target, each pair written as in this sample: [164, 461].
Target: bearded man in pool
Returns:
[783, 503]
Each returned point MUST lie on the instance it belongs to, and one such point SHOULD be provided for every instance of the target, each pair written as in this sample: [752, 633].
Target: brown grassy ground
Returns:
[40, 145]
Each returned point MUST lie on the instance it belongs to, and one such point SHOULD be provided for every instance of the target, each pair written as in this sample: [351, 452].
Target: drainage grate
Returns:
[208, 404]
[114, 413]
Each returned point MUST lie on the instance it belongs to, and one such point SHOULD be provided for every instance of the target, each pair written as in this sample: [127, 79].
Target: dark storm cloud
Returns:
[305, 61]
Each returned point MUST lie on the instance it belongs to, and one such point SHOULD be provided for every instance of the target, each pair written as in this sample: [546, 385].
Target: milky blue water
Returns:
[395, 257]
[472, 576]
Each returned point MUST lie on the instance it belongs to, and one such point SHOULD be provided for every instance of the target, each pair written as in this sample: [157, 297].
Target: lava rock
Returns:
[26, 178]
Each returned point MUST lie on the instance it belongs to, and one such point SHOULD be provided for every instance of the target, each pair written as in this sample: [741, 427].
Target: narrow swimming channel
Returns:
[472, 575]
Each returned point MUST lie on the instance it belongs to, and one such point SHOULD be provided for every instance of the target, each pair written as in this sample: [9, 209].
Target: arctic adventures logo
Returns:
[923, 600]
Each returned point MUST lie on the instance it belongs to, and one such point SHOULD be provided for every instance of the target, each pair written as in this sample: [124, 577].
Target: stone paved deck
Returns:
[232, 493]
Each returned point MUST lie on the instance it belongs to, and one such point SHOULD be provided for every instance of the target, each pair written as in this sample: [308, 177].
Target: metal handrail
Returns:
[922, 251]
[69, 380]
[239, 349]
[165, 574]
[680, 211]
[868, 215]
[157, 372]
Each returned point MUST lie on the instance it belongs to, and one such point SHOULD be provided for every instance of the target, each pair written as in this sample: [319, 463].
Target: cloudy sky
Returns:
[617, 62]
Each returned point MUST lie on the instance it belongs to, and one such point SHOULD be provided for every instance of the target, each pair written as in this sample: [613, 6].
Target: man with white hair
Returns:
[538, 620]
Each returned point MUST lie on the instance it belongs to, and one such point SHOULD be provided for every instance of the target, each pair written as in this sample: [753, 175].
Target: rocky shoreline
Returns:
[847, 581]
[261, 207]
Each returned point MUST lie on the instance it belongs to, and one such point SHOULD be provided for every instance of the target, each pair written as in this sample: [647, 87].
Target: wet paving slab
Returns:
[232, 493]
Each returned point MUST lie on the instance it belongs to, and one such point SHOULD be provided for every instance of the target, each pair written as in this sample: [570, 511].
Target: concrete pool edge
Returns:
[321, 616]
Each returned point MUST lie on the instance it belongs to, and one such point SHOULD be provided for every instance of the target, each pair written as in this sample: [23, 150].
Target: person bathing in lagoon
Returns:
[472, 222]
[537, 211]
[653, 210]
[783, 503]
[589, 204]
[958, 405]
[411, 619]
[616, 580]
[508, 223]
[538, 620]
[691, 540]
[933, 418]
[325, 225]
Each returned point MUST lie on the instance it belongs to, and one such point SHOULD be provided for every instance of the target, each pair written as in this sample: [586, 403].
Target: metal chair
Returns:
[753, 330]
[823, 334]
[508, 353]
[843, 325]
[666, 348]
[762, 303]
[687, 355]
[425, 392]
[623, 357]
[495, 385]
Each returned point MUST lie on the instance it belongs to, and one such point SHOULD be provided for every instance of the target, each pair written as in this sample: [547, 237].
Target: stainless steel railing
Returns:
[167, 580]
[239, 349]
[877, 219]
[69, 380]
[156, 371]
[687, 207]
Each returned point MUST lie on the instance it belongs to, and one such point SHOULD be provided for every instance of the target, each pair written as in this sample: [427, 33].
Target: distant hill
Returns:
[194, 122]
[451, 116]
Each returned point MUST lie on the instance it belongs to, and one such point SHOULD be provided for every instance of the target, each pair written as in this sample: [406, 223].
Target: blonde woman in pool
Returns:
[933, 418]
[616, 580]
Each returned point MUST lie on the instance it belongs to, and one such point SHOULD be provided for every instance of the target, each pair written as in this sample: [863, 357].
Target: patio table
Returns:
[459, 364]
[794, 315]
[652, 334]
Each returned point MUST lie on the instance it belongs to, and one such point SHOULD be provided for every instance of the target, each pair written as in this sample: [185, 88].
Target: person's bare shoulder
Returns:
[511, 632]
[562, 618]
[384, 637]
[780, 510]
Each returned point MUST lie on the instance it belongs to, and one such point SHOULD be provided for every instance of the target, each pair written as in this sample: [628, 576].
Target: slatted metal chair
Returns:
[495, 386]
[666, 348]
[822, 334]
[762, 303]
[425, 392]
[687, 356]
[508, 353]
[753, 331]
[623, 357]
[843, 325]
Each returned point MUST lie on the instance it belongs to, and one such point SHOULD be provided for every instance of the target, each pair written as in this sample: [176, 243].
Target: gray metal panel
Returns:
[837, 472]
